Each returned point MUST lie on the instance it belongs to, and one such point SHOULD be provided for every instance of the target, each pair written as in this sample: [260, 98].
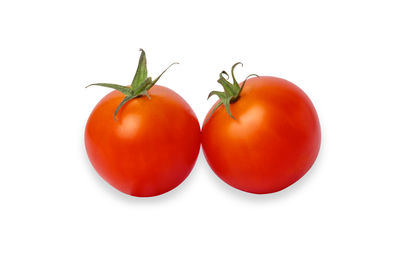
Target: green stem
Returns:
[140, 85]
[231, 91]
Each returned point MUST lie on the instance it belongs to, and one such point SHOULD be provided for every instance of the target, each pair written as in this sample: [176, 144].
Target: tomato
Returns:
[151, 144]
[271, 140]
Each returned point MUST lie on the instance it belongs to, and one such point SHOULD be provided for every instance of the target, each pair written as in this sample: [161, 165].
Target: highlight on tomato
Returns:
[262, 135]
[143, 139]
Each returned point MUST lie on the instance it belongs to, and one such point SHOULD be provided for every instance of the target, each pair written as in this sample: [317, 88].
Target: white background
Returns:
[344, 54]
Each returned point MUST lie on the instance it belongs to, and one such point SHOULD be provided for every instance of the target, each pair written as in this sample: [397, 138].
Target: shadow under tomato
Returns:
[201, 165]
[293, 189]
[132, 199]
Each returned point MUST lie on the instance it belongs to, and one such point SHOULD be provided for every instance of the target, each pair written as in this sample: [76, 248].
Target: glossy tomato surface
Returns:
[150, 148]
[273, 142]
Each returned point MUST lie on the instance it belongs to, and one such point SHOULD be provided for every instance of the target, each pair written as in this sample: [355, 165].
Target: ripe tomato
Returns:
[271, 142]
[151, 145]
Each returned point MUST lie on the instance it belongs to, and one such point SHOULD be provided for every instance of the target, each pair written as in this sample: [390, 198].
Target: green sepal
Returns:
[231, 90]
[227, 101]
[224, 99]
[217, 93]
[123, 89]
[141, 71]
[214, 109]
[144, 86]
[228, 88]
[158, 77]
[244, 82]
[124, 101]
[140, 85]
[235, 85]
[145, 93]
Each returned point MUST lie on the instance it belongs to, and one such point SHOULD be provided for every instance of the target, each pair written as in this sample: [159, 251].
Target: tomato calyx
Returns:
[231, 90]
[140, 85]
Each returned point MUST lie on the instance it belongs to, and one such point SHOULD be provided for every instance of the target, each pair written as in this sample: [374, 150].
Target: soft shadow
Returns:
[284, 194]
[224, 188]
[120, 196]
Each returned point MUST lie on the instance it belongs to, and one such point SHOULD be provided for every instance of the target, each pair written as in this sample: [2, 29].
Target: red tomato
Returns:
[143, 139]
[150, 148]
[272, 142]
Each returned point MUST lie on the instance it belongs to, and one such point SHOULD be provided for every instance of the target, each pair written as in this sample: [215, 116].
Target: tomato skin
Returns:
[150, 148]
[273, 142]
